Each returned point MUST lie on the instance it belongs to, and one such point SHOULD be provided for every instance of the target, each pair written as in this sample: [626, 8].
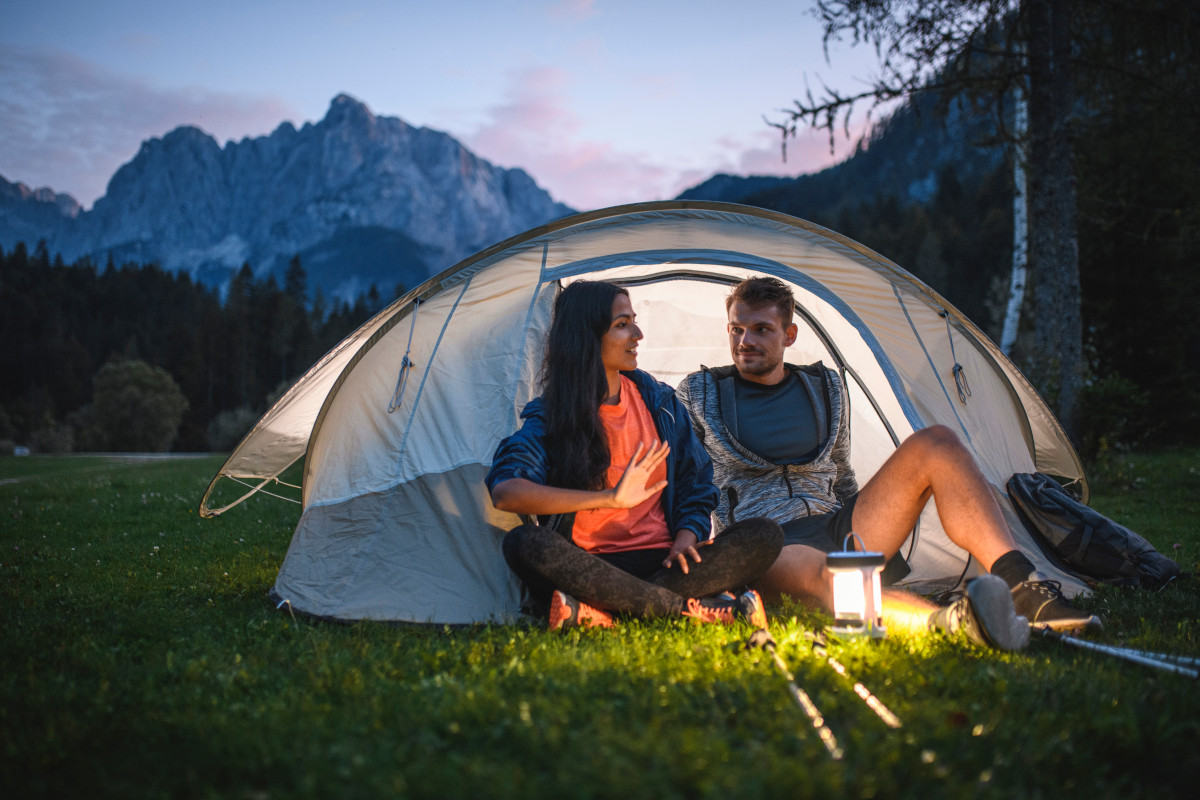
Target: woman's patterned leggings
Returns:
[635, 582]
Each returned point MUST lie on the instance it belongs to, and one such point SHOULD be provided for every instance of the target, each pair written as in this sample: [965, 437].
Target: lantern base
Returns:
[858, 629]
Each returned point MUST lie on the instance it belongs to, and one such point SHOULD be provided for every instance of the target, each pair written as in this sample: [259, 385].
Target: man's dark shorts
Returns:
[827, 533]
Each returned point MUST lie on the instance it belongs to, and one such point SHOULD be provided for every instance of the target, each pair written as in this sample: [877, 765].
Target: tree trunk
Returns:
[1066, 220]
[1042, 250]
[1016, 284]
[1055, 362]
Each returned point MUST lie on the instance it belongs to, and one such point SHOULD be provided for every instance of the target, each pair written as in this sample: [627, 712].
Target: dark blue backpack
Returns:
[1083, 542]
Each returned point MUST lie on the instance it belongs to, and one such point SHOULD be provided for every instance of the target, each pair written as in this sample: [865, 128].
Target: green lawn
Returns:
[140, 657]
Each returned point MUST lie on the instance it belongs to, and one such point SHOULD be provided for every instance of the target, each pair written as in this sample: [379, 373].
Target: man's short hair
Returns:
[763, 291]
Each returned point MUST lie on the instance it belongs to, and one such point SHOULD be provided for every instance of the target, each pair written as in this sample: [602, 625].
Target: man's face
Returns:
[757, 339]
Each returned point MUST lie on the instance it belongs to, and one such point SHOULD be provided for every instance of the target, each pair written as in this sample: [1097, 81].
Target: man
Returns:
[779, 439]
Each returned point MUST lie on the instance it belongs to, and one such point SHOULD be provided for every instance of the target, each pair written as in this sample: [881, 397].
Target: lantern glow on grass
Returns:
[857, 591]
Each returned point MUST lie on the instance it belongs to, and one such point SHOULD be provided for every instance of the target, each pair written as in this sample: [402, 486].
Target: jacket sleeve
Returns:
[845, 484]
[695, 494]
[683, 392]
[522, 455]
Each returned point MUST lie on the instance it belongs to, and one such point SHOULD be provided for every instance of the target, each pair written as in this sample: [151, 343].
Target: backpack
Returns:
[1083, 542]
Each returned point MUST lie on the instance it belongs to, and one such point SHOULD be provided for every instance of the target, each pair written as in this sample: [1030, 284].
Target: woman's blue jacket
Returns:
[690, 495]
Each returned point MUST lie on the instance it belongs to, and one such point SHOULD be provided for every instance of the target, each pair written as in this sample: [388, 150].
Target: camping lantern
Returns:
[857, 592]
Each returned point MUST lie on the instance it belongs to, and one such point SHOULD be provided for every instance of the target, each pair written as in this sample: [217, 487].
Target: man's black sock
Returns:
[1013, 567]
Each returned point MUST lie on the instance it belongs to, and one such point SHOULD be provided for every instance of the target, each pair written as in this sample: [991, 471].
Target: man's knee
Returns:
[799, 571]
[936, 441]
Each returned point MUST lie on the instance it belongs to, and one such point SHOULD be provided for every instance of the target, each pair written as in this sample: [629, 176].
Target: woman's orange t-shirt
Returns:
[611, 530]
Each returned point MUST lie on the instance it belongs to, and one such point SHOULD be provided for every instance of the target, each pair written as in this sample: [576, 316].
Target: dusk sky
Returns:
[601, 101]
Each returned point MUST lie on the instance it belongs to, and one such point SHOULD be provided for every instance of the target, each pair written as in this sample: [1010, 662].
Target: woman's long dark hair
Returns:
[574, 385]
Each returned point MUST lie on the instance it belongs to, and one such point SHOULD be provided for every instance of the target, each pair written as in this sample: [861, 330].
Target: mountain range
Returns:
[370, 200]
[362, 199]
[902, 158]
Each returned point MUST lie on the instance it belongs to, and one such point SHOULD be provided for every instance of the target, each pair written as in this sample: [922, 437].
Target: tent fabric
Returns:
[398, 424]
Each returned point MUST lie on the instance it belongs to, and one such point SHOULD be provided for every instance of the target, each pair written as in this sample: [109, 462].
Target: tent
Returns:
[397, 425]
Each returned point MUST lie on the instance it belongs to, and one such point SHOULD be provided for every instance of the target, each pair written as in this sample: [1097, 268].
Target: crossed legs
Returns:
[545, 561]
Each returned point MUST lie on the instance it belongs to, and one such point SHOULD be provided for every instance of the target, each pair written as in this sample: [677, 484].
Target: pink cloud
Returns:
[533, 129]
[69, 125]
[808, 151]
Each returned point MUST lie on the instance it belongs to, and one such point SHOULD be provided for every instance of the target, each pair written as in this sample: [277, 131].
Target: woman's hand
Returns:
[523, 496]
[632, 488]
[685, 547]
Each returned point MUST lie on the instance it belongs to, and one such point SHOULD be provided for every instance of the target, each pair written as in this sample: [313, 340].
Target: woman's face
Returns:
[618, 347]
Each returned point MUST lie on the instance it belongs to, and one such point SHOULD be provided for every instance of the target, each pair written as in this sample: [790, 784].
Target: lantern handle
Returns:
[862, 547]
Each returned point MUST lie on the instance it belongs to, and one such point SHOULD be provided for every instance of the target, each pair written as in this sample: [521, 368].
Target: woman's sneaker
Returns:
[1043, 604]
[567, 612]
[727, 609]
[985, 613]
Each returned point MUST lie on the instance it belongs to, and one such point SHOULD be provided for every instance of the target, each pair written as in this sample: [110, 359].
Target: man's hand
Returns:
[685, 547]
[632, 488]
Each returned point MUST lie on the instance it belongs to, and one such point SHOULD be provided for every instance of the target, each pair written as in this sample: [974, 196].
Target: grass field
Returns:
[140, 658]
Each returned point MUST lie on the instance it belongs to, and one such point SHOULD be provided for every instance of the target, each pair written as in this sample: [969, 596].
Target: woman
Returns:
[607, 460]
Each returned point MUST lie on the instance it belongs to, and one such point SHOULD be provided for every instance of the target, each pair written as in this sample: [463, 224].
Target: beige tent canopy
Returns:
[399, 422]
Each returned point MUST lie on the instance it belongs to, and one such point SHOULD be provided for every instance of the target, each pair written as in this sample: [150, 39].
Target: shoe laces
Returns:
[947, 597]
[592, 615]
[1046, 586]
[955, 615]
[958, 613]
[710, 613]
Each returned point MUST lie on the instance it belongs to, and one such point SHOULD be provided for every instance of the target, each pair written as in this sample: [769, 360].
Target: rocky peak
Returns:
[62, 204]
[345, 110]
[30, 215]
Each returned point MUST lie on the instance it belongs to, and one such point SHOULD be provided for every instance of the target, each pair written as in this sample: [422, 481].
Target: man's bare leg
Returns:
[800, 573]
[929, 461]
[906, 611]
[932, 463]
[986, 614]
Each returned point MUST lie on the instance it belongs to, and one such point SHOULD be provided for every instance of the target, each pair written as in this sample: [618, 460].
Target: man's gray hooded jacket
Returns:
[750, 485]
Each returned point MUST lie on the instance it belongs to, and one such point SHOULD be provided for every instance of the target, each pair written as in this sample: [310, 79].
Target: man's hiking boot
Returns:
[1043, 604]
[985, 614]
[567, 612]
[726, 609]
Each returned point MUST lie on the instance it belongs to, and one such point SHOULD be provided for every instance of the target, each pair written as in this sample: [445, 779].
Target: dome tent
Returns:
[399, 422]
